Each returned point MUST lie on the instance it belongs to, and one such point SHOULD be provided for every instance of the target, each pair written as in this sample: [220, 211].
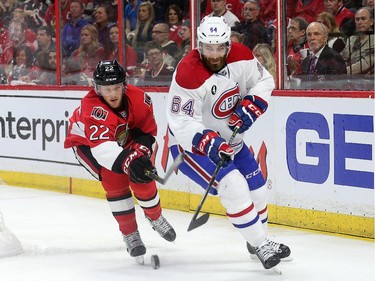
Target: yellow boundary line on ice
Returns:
[336, 224]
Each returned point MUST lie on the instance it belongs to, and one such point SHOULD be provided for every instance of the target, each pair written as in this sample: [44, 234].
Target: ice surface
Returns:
[68, 238]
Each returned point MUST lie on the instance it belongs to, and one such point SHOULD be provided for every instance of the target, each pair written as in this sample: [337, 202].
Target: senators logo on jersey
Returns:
[225, 104]
[99, 113]
[121, 134]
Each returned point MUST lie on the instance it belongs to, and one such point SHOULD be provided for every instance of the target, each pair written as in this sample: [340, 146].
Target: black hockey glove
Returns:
[245, 114]
[137, 162]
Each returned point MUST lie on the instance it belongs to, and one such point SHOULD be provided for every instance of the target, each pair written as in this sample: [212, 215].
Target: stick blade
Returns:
[197, 222]
[151, 174]
[155, 177]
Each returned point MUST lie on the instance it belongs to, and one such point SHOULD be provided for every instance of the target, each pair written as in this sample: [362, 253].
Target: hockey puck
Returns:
[155, 262]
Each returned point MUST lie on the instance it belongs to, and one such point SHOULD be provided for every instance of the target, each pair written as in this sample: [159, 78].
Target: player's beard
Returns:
[218, 64]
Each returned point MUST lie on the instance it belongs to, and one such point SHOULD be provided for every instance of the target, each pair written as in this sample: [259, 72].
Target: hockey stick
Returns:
[195, 221]
[174, 166]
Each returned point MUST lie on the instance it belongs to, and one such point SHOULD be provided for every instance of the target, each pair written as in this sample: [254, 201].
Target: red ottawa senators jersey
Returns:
[107, 131]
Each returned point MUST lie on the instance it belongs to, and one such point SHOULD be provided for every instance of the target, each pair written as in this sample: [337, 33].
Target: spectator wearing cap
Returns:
[251, 27]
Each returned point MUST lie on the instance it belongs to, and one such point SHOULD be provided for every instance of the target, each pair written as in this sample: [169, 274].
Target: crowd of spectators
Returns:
[157, 37]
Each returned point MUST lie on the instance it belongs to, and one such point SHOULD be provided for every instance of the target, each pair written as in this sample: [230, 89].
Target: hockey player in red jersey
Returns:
[216, 88]
[112, 133]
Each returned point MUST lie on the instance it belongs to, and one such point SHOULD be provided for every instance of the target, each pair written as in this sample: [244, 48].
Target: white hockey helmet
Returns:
[213, 30]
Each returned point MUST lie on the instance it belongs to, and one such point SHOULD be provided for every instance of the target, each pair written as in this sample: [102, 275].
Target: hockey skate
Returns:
[135, 246]
[280, 249]
[162, 226]
[266, 254]
[9, 243]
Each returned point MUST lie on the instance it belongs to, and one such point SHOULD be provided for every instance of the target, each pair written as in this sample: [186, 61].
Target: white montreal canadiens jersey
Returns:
[199, 99]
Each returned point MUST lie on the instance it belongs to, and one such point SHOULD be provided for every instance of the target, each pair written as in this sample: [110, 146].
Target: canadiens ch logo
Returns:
[225, 104]
[99, 113]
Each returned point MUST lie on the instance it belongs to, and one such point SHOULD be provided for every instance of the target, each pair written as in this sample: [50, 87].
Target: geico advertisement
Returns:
[326, 154]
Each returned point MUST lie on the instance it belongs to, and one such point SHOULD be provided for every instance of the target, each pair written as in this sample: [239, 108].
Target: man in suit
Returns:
[323, 68]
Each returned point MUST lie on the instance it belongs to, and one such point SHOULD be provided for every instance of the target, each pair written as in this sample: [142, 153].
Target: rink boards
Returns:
[316, 154]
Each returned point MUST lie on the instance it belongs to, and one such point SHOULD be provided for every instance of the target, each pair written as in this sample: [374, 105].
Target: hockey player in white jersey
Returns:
[217, 87]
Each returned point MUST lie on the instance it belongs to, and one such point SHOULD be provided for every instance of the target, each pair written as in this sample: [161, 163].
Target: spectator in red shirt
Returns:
[173, 17]
[308, 9]
[111, 49]
[344, 17]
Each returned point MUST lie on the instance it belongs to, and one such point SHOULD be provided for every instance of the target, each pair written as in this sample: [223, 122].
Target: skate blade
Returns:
[286, 259]
[277, 269]
[140, 259]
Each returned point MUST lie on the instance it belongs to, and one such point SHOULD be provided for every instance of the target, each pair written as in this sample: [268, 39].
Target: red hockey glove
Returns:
[136, 162]
[245, 114]
[211, 144]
